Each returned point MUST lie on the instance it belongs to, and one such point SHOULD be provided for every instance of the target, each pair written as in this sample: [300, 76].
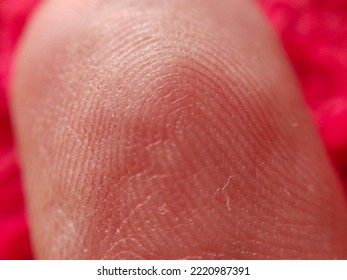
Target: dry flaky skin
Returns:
[168, 129]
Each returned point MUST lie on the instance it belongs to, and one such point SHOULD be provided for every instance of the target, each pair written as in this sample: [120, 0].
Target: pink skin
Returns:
[169, 130]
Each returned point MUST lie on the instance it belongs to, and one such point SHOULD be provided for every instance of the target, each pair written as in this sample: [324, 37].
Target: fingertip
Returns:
[141, 128]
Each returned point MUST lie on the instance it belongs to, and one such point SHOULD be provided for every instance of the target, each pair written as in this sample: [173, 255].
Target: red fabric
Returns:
[314, 34]
[14, 237]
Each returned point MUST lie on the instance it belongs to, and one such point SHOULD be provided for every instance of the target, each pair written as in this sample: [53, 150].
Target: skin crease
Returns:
[168, 130]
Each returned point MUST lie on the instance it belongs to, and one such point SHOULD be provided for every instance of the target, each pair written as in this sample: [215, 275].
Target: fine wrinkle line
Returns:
[132, 212]
[227, 183]
[222, 190]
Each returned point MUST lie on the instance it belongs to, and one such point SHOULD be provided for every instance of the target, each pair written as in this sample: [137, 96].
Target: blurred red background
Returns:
[314, 35]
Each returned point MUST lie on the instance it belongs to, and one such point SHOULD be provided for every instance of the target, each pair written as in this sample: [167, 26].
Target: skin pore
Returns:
[168, 130]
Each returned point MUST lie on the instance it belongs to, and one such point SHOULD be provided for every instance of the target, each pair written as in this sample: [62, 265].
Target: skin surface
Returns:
[169, 130]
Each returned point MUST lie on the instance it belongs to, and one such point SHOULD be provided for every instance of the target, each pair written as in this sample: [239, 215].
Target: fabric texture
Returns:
[314, 35]
[14, 234]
